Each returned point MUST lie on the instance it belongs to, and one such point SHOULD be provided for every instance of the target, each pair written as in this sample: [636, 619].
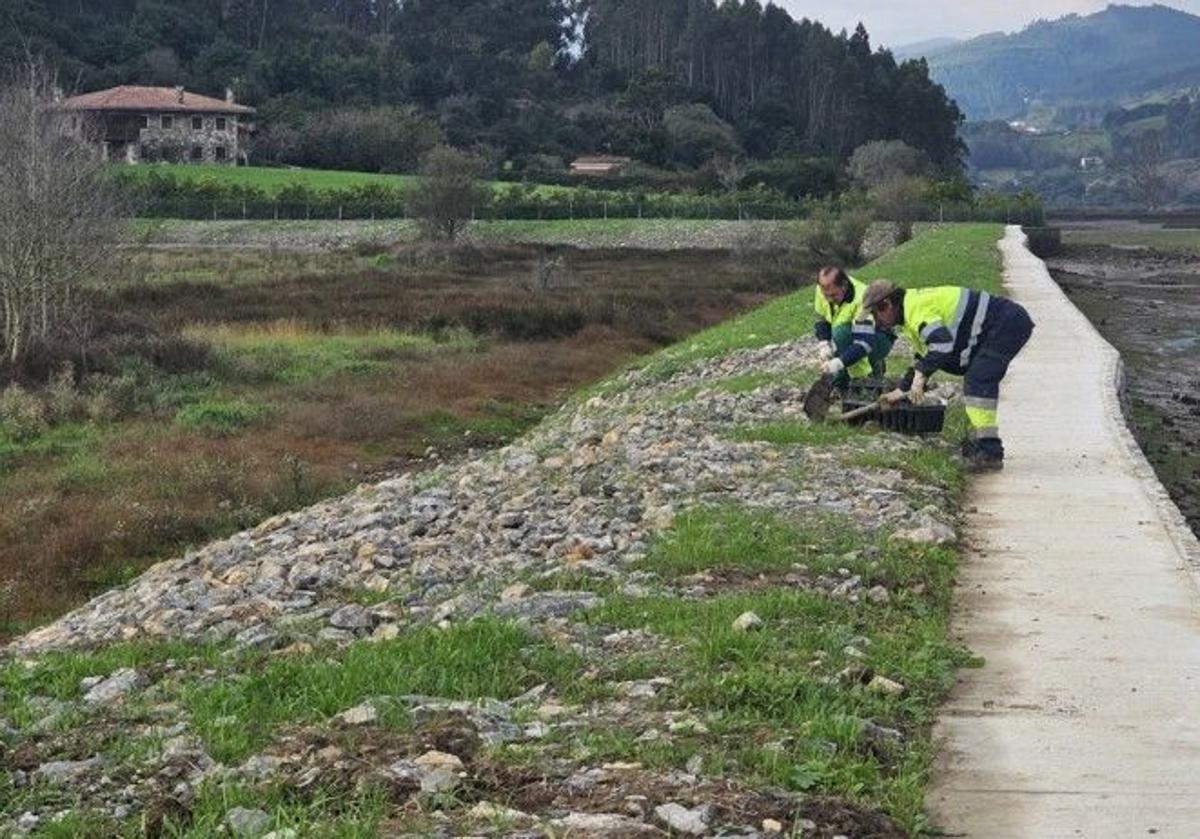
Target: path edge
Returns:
[1117, 418]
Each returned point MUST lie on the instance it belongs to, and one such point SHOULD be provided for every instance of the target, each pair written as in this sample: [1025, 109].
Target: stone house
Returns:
[149, 124]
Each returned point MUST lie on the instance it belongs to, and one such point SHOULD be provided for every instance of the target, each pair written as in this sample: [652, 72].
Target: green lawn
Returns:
[274, 179]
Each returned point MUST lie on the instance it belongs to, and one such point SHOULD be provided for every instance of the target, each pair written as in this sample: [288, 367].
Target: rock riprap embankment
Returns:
[586, 491]
[584, 495]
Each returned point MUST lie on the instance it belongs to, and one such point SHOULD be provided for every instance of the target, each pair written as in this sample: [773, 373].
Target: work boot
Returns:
[983, 455]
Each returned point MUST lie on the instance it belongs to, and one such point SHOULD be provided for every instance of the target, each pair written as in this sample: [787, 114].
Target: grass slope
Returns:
[272, 180]
[961, 254]
[782, 706]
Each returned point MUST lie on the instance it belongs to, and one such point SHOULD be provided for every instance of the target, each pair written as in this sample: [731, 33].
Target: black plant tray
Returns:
[905, 418]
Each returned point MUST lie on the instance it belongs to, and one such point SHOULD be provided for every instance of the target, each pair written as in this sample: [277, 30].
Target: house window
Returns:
[197, 153]
[167, 121]
[220, 123]
[145, 121]
[197, 123]
[220, 152]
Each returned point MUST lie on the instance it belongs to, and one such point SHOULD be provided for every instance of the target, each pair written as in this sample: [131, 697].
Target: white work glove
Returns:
[890, 399]
[832, 367]
[827, 350]
[916, 393]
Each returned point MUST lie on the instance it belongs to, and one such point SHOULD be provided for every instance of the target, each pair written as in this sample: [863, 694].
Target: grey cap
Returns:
[876, 293]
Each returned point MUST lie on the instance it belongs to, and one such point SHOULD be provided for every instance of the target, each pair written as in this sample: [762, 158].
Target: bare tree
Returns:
[730, 172]
[1146, 172]
[60, 228]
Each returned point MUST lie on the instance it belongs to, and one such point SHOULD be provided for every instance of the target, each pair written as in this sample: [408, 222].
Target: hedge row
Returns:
[167, 196]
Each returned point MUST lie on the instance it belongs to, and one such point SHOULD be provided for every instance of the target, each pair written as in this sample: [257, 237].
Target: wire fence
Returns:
[219, 210]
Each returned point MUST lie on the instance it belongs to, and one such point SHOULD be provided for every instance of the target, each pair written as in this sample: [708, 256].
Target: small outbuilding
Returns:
[601, 164]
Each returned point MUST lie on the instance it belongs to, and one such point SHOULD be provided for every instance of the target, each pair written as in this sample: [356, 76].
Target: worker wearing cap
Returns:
[961, 331]
[850, 347]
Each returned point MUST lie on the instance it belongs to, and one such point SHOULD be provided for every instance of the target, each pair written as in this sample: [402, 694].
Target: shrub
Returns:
[22, 414]
[903, 200]
[64, 401]
[449, 192]
[836, 239]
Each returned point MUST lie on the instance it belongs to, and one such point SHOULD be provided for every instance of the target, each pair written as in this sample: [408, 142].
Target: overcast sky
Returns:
[898, 22]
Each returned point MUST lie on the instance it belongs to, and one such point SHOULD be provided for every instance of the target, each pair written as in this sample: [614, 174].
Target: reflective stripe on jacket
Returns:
[944, 324]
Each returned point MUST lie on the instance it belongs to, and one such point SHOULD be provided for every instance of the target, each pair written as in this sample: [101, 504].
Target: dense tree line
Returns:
[788, 86]
[675, 83]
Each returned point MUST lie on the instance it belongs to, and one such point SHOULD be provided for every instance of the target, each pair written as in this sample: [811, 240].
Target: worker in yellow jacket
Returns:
[851, 348]
[964, 332]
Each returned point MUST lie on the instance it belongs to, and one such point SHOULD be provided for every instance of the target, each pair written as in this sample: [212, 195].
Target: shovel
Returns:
[818, 399]
[865, 410]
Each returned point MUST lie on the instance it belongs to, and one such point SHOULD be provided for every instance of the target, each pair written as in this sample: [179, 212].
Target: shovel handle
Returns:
[859, 412]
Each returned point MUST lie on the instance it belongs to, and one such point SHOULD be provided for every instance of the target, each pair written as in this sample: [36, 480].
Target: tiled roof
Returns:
[133, 98]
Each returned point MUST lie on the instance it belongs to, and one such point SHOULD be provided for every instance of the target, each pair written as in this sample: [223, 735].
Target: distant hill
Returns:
[924, 49]
[1119, 55]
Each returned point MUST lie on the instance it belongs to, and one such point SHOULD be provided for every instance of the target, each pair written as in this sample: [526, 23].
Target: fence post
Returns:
[339, 212]
[307, 211]
[275, 207]
[639, 209]
[941, 213]
[214, 211]
[606, 211]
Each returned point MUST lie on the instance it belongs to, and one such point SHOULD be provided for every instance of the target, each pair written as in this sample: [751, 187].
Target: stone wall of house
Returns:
[183, 142]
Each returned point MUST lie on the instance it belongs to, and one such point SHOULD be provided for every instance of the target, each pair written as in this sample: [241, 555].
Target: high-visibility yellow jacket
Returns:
[943, 324]
[847, 313]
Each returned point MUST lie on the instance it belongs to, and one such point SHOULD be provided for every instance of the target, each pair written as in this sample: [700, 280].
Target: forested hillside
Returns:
[673, 83]
[1116, 56]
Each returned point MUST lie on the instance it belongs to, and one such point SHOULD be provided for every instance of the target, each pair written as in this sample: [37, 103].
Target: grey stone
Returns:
[66, 771]
[359, 715]
[243, 821]
[261, 767]
[748, 622]
[604, 825]
[260, 636]
[692, 821]
[930, 533]
[885, 686]
[115, 686]
[351, 617]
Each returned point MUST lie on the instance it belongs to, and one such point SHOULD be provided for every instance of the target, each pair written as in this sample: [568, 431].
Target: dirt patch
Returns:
[348, 758]
[631, 789]
[1146, 302]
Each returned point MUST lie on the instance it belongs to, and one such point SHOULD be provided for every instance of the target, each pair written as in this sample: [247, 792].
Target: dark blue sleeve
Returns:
[941, 348]
[862, 336]
[823, 330]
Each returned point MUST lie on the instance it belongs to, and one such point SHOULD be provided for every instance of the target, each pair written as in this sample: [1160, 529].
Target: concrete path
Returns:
[1078, 590]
